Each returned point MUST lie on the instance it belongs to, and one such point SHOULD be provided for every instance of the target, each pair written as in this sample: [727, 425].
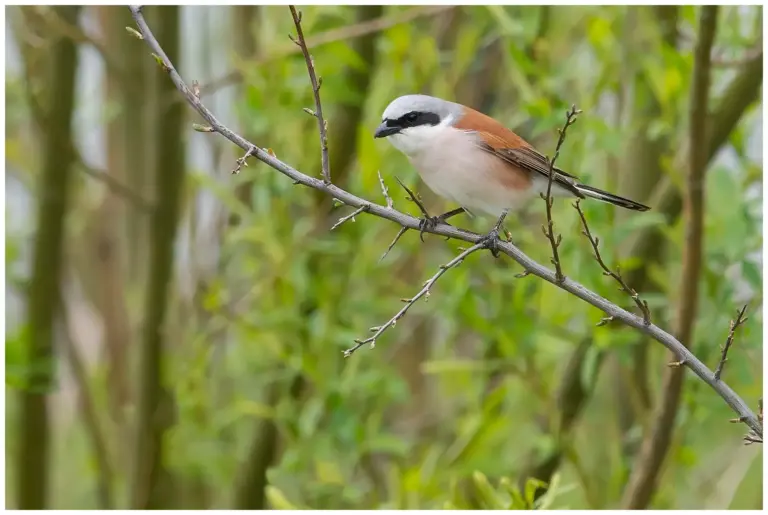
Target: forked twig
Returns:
[243, 161]
[322, 125]
[735, 324]
[379, 330]
[595, 242]
[549, 229]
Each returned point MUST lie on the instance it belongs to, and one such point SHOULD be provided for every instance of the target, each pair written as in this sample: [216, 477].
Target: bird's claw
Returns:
[428, 223]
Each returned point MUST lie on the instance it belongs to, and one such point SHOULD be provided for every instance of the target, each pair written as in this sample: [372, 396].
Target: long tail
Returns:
[595, 193]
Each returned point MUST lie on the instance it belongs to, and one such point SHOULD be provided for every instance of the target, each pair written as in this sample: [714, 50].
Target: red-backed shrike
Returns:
[469, 158]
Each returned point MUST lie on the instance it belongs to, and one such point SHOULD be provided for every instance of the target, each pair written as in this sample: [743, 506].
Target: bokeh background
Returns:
[195, 361]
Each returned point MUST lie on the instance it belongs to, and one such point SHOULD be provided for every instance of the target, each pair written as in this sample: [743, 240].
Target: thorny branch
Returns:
[530, 266]
[390, 205]
[424, 292]
[595, 242]
[740, 319]
[322, 125]
[549, 229]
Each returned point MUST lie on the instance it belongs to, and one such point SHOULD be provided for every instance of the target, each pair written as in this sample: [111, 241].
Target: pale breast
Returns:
[456, 169]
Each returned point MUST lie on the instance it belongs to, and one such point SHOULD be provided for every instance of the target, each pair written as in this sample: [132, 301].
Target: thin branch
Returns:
[402, 231]
[740, 319]
[390, 205]
[424, 292]
[549, 229]
[241, 162]
[322, 125]
[595, 242]
[413, 197]
[385, 192]
[350, 216]
[409, 222]
[117, 187]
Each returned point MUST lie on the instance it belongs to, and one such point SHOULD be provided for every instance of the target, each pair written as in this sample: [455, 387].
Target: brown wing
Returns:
[508, 146]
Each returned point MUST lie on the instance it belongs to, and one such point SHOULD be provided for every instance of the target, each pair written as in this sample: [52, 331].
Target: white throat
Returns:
[416, 140]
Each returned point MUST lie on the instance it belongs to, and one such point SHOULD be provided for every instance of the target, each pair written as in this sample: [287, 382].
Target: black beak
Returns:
[384, 130]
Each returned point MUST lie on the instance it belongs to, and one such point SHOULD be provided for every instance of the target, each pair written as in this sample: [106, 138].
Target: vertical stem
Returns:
[58, 158]
[155, 402]
[642, 483]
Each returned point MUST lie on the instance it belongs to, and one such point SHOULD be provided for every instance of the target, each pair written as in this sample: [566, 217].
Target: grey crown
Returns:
[422, 103]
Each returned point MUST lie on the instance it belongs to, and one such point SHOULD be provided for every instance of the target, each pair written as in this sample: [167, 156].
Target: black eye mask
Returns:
[389, 126]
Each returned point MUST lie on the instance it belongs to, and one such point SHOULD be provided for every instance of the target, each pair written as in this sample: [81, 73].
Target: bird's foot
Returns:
[491, 240]
[430, 222]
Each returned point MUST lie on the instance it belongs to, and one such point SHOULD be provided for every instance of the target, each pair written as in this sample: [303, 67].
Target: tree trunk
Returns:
[58, 157]
[656, 442]
[151, 481]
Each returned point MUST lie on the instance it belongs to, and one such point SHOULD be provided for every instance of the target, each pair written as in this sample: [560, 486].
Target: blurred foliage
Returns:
[460, 398]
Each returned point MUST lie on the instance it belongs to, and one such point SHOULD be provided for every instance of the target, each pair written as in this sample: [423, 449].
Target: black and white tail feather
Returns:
[610, 198]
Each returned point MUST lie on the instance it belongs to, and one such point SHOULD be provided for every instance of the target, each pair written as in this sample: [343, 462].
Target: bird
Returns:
[471, 159]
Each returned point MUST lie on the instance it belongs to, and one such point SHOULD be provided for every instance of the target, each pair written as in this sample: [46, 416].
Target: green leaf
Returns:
[531, 486]
[277, 499]
[486, 492]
